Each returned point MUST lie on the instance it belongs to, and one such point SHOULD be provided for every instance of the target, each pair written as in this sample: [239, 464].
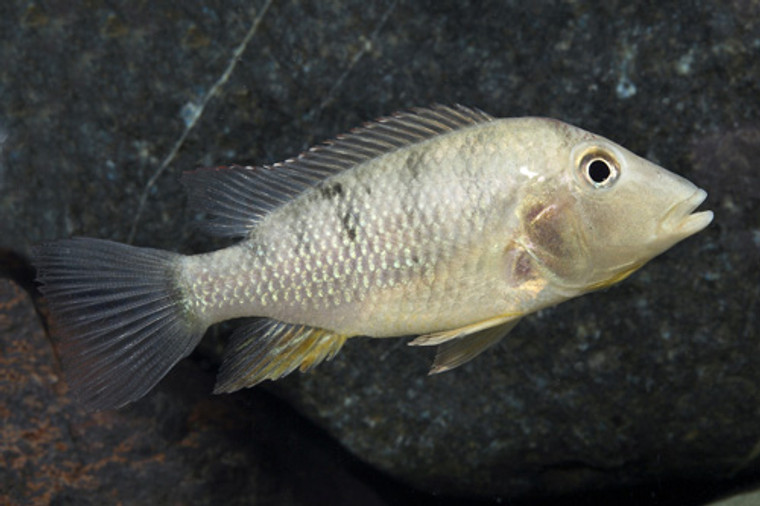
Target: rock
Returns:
[180, 446]
[655, 376]
[743, 499]
[653, 381]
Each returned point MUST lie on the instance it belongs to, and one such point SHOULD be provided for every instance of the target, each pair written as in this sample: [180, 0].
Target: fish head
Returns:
[626, 210]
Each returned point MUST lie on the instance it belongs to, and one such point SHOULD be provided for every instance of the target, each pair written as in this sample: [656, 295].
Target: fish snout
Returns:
[680, 221]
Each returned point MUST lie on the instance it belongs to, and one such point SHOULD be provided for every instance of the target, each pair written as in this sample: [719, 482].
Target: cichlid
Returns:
[444, 223]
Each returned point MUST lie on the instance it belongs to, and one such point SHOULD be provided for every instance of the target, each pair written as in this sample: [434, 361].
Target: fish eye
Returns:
[599, 168]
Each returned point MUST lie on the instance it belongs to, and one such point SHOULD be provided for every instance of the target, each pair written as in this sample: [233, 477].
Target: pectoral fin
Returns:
[437, 338]
[455, 353]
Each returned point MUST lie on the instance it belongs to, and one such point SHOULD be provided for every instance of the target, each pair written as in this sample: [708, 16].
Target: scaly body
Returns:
[444, 223]
[403, 244]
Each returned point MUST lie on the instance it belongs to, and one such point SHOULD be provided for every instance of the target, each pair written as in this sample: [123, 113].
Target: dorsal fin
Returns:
[236, 197]
[268, 349]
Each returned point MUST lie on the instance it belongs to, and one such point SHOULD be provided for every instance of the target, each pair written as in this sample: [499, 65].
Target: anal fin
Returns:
[455, 353]
[268, 349]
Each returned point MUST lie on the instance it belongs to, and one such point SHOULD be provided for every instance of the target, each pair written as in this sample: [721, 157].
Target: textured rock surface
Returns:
[652, 381]
[742, 499]
[179, 447]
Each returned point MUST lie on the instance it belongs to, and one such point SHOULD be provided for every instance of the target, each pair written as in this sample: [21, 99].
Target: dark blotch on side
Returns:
[413, 166]
[532, 213]
[329, 191]
[523, 269]
[349, 225]
[545, 226]
[303, 247]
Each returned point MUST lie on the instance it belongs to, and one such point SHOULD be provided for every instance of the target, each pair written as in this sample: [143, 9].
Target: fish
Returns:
[442, 223]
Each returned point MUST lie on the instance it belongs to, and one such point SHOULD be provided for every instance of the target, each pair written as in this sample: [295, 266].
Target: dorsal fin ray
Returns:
[237, 197]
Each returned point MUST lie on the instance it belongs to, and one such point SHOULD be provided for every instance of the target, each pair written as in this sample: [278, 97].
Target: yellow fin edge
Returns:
[441, 337]
[616, 278]
[271, 350]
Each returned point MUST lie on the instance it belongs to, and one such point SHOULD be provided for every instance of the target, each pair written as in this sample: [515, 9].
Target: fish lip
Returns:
[682, 221]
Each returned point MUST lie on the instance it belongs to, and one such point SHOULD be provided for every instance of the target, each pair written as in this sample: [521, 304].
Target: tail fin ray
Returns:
[118, 317]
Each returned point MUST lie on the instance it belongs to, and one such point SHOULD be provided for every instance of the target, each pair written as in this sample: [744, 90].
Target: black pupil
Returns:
[599, 171]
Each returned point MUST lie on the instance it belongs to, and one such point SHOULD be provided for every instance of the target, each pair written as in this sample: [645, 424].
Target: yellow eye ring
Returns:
[599, 168]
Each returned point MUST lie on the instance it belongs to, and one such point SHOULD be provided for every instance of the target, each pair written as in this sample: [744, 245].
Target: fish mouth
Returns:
[682, 221]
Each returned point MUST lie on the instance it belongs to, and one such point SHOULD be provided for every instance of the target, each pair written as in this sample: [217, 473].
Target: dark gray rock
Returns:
[742, 499]
[651, 381]
[180, 446]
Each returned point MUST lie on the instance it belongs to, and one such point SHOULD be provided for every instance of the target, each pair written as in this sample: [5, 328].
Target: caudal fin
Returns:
[117, 315]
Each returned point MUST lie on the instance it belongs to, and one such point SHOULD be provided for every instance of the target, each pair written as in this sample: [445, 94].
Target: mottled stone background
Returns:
[647, 393]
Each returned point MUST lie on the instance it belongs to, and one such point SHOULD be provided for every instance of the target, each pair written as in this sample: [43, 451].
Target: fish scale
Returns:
[333, 266]
[444, 223]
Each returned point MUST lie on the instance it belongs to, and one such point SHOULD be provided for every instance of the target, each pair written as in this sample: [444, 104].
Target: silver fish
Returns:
[444, 223]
